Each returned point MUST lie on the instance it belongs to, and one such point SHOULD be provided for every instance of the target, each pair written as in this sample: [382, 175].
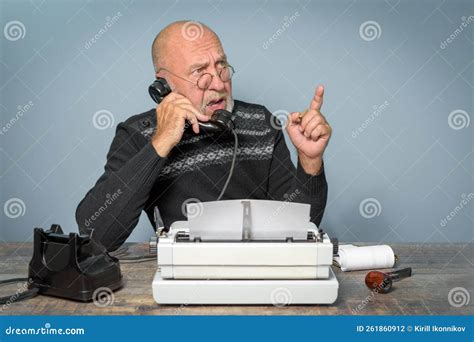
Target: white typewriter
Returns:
[245, 252]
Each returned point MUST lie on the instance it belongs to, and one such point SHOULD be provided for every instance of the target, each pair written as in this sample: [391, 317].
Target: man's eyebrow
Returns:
[198, 65]
[222, 58]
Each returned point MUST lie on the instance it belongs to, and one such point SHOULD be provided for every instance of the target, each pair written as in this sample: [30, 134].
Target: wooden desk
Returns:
[437, 268]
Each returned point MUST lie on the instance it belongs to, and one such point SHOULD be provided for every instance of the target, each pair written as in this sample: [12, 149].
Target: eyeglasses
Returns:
[205, 80]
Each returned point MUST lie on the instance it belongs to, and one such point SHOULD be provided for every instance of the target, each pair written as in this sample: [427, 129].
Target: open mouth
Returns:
[216, 104]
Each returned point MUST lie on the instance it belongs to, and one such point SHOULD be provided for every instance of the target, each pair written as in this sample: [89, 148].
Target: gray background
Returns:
[409, 161]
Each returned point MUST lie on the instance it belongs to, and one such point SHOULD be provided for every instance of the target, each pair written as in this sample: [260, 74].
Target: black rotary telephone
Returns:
[221, 119]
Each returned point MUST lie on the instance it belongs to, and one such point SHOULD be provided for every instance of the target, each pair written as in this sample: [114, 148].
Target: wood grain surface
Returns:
[437, 269]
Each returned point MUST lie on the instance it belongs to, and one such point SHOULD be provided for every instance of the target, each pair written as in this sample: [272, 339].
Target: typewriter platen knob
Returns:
[153, 245]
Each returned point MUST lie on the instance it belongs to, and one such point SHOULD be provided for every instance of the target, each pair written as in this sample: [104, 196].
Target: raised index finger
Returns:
[317, 100]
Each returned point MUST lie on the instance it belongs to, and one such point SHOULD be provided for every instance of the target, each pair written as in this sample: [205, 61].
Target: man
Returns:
[155, 160]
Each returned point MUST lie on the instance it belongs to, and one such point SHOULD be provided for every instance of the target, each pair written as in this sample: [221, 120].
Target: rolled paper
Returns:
[353, 258]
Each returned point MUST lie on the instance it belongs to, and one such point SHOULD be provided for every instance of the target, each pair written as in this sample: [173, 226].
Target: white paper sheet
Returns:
[269, 220]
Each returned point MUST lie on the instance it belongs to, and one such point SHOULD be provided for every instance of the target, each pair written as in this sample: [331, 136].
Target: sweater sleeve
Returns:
[112, 208]
[287, 183]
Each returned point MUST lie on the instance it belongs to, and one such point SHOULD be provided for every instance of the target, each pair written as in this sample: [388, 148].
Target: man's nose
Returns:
[216, 83]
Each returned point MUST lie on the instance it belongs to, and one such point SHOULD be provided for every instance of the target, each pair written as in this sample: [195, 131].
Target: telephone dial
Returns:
[221, 119]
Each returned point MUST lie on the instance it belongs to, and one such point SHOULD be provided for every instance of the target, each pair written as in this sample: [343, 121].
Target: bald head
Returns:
[176, 36]
[182, 53]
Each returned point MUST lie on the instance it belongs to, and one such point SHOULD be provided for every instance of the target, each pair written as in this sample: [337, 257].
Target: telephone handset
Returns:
[221, 119]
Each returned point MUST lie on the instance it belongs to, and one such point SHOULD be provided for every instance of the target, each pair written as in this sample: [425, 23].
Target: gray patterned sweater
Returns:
[136, 178]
